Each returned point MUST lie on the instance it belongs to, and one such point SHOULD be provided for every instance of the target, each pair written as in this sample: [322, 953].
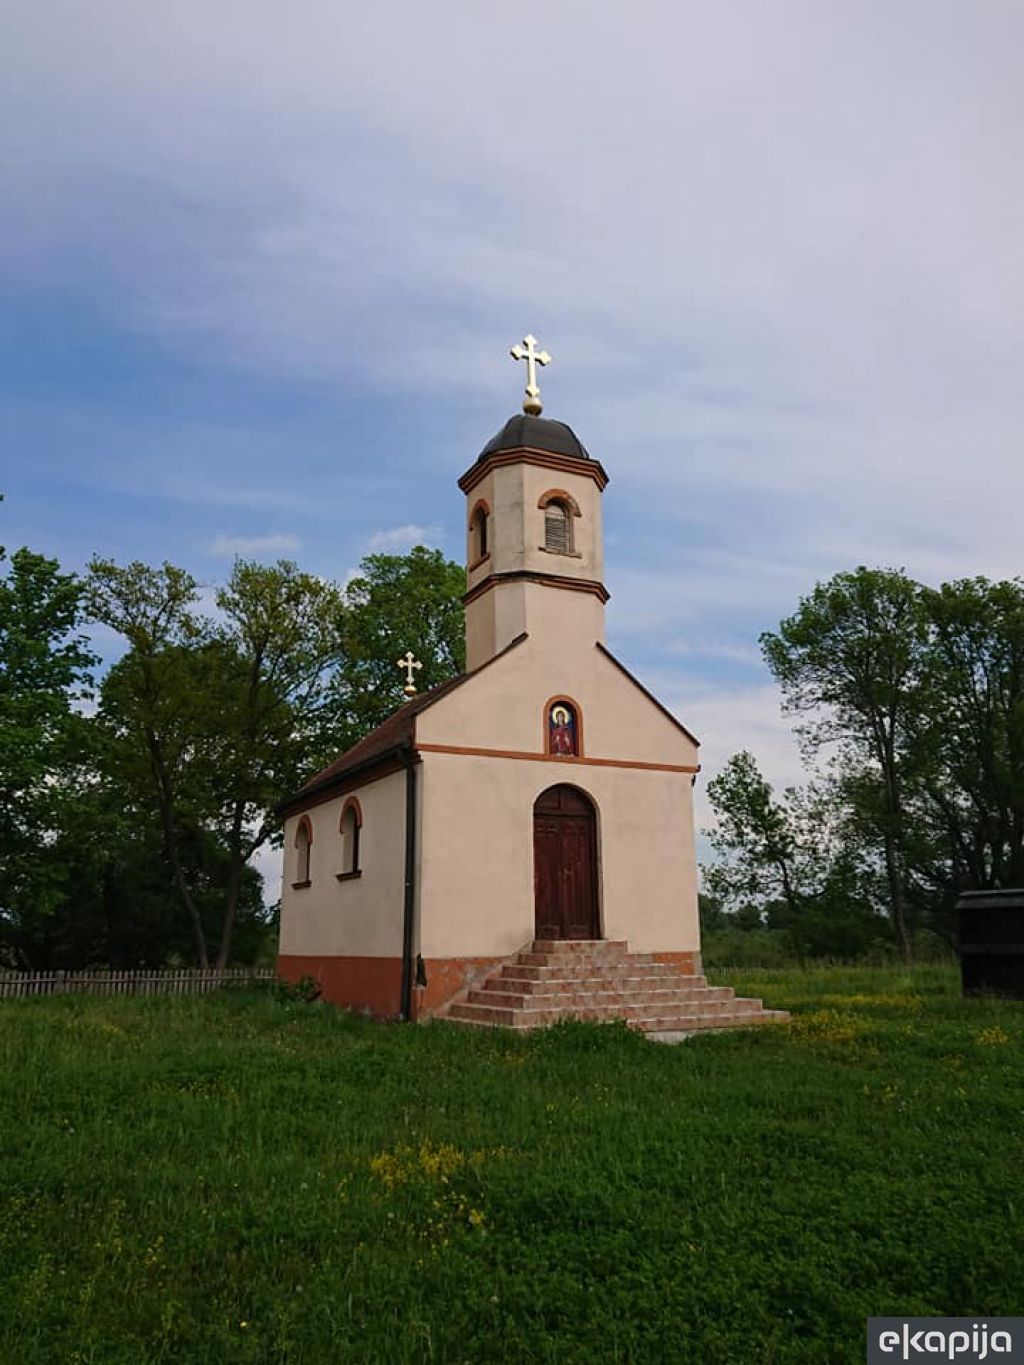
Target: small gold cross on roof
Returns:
[527, 351]
[409, 664]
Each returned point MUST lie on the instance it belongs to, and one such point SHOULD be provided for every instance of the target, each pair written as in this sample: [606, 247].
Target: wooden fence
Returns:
[141, 981]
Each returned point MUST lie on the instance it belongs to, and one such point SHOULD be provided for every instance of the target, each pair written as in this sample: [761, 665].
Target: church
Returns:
[517, 844]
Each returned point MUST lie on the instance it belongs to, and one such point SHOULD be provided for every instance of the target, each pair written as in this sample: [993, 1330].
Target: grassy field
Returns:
[240, 1178]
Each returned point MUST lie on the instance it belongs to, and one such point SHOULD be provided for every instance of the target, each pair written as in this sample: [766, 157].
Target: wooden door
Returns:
[565, 865]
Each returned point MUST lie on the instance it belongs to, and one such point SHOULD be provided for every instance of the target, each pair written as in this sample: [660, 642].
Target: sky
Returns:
[261, 265]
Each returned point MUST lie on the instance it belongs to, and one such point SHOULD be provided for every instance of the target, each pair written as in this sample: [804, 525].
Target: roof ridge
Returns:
[648, 694]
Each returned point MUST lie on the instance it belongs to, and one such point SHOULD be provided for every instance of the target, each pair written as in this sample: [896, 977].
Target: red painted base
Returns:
[446, 977]
[369, 985]
[373, 985]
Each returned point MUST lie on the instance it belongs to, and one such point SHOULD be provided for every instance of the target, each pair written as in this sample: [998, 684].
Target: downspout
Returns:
[410, 880]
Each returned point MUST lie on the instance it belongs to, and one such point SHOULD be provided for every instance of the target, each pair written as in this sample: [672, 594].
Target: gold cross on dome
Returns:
[527, 351]
[409, 664]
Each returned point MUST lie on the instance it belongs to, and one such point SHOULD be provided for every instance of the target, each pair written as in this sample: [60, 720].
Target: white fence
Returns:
[139, 981]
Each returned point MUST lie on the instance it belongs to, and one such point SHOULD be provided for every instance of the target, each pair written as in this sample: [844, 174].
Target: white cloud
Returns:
[401, 538]
[727, 719]
[774, 251]
[254, 545]
[269, 863]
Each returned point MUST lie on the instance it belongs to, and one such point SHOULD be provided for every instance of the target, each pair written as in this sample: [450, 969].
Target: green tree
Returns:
[789, 864]
[757, 839]
[397, 602]
[44, 676]
[850, 662]
[218, 719]
[280, 643]
[214, 720]
[971, 734]
[154, 700]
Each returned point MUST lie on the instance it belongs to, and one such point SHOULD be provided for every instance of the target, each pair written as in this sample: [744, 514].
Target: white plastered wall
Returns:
[361, 916]
[476, 868]
[476, 864]
[502, 707]
[516, 525]
[516, 536]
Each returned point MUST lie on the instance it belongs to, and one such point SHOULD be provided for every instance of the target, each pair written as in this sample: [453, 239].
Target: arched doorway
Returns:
[565, 865]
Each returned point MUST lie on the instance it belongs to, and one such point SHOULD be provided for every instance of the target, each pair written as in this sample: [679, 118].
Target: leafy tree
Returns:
[971, 733]
[398, 602]
[219, 719]
[110, 826]
[787, 864]
[756, 836]
[280, 642]
[154, 698]
[44, 674]
[850, 661]
[713, 919]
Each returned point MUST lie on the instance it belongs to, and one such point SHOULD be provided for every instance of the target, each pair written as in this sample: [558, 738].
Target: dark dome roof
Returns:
[539, 434]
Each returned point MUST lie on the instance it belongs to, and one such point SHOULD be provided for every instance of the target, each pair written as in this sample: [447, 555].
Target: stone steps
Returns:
[628, 978]
[494, 991]
[522, 971]
[601, 981]
[638, 1011]
[677, 1022]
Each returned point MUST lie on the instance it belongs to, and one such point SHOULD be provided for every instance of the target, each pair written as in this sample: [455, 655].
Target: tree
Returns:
[756, 836]
[398, 602]
[215, 720]
[154, 697]
[850, 660]
[219, 718]
[971, 735]
[280, 642]
[789, 864]
[44, 675]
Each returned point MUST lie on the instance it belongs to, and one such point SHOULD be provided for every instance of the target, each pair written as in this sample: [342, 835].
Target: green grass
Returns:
[236, 1178]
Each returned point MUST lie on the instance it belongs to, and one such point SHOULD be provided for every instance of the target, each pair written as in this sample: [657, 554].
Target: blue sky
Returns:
[252, 251]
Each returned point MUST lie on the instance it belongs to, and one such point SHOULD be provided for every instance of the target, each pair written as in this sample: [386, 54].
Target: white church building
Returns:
[516, 844]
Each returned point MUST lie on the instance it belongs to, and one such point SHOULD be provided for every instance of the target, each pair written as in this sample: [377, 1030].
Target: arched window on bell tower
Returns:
[533, 530]
[559, 509]
[557, 529]
[479, 533]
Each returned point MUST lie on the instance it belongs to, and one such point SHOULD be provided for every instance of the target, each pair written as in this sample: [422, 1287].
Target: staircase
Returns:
[602, 980]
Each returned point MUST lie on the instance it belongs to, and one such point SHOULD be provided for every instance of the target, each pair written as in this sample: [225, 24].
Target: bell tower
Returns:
[534, 553]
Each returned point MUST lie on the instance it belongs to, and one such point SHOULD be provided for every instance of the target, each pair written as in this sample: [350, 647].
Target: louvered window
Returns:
[556, 529]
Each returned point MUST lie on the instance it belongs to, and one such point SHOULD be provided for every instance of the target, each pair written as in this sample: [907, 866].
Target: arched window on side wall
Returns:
[303, 853]
[562, 729]
[479, 533]
[351, 827]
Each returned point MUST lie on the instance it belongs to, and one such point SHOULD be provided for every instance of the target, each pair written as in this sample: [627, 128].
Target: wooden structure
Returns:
[136, 981]
[990, 935]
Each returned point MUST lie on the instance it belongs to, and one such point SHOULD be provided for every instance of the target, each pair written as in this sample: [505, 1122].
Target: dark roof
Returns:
[390, 736]
[536, 433]
[393, 733]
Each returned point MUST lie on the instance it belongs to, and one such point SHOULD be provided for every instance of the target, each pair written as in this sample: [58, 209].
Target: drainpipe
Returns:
[410, 880]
